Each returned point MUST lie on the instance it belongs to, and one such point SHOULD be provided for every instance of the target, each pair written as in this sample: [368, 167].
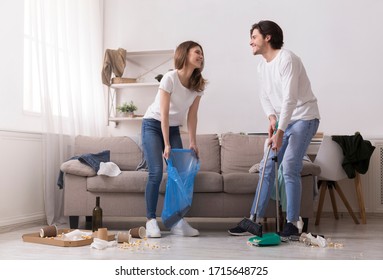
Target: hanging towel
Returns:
[357, 153]
[114, 62]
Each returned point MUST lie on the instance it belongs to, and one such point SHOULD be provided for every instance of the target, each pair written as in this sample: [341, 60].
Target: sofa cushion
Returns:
[208, 182]
[240, 183]
[240, 152]
[127, 181]
[204, 182]
[135, 182]
[123, 150]
[209, 151]
[75, 167]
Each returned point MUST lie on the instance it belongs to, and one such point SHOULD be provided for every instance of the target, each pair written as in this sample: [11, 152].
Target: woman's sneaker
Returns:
[152, 229]
[183, 228]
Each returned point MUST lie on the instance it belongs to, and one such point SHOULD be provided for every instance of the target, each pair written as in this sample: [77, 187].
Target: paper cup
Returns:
[49, 231]
[138, 232]
[123, 237]
[102, 233]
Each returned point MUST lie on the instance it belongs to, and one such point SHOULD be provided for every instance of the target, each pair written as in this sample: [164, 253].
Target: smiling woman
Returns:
[178, 97]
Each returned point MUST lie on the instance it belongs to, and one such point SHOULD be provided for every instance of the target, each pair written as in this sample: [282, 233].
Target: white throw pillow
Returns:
[254, 168]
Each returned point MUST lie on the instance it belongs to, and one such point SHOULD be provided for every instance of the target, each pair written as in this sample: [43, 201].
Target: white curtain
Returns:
[63, 56]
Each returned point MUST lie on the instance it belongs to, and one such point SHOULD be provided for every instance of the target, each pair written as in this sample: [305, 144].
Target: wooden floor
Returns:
[358, 242]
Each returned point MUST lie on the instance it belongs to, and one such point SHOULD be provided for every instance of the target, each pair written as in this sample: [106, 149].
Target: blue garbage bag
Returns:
[183, 166]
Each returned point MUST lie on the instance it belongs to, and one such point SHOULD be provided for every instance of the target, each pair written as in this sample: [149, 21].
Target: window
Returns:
[44, 58]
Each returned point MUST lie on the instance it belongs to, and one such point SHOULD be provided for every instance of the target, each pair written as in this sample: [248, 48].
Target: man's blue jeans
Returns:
[153, 146]
[296, 140]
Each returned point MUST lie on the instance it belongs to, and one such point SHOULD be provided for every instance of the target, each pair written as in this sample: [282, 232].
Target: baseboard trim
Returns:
[24, 225]
[16, 221]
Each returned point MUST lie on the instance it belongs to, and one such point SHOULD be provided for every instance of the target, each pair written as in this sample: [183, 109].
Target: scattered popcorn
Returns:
[141, 245]
[86, 236]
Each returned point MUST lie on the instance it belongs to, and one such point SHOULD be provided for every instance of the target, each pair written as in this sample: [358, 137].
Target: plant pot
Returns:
[130, 114]
[126, 114]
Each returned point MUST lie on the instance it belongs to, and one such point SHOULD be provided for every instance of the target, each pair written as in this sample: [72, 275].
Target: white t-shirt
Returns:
[181, 98]
[286, 89]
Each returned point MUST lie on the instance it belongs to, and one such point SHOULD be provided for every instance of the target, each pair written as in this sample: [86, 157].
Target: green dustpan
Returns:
[267, 239]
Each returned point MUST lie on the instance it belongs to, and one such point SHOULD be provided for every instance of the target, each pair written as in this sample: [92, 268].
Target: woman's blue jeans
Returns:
[153, 147]
[296, 140]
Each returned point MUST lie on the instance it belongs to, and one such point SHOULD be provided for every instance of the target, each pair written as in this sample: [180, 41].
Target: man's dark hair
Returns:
[267, 27]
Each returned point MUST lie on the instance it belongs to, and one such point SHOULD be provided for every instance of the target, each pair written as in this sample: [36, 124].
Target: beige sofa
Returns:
[223, 186]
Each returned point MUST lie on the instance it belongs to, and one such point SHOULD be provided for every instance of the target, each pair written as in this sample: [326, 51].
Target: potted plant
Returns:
[127, 109]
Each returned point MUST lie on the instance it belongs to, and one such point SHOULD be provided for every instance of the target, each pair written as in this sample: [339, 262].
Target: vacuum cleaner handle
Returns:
[275, 159]
[261, 182]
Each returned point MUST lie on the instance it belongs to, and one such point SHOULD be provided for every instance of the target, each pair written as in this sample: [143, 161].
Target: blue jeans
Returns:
[296, 140]
[153, 147]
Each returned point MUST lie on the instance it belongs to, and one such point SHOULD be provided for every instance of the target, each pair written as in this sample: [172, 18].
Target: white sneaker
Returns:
[152, 229]
[183, 228]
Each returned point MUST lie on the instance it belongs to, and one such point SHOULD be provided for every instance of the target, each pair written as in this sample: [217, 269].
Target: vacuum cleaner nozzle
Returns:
[250, 226]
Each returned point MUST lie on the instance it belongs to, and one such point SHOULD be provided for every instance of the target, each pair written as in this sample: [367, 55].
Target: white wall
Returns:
[21, 171]
[21, 178]
[338, 41]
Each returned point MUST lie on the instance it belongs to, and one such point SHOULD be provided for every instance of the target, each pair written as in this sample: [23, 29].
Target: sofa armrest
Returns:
[310, 168]
[75, 167]
[76, 196]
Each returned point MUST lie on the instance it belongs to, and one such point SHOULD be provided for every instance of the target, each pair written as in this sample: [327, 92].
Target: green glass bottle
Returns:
[97, 216]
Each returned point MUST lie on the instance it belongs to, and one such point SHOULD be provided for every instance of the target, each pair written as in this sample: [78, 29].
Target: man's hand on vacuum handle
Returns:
[273, 125]
[275, 134]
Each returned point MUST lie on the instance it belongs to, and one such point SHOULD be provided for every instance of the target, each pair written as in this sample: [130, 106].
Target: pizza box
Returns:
[58, 240]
